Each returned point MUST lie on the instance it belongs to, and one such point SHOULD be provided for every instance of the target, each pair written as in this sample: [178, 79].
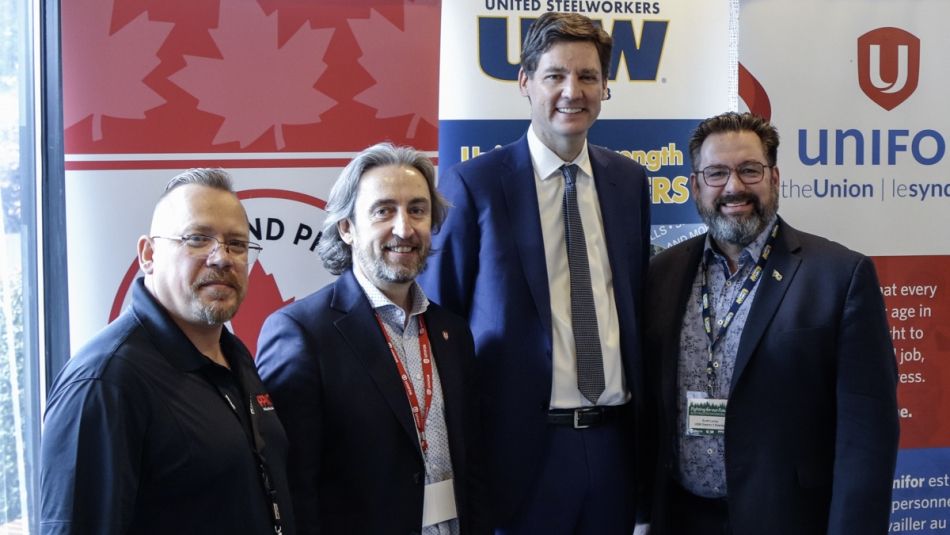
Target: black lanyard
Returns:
[747, 286]
[255, 441]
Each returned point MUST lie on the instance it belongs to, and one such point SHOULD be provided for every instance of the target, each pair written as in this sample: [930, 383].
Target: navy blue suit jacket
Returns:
[355, 463]
[811, 425]
[489, 267]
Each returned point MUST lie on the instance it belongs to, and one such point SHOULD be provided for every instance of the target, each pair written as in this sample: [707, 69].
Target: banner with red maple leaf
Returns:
[281, 93]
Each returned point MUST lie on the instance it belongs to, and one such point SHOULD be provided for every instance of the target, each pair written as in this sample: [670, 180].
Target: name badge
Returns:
[438, 503]
[705, 416]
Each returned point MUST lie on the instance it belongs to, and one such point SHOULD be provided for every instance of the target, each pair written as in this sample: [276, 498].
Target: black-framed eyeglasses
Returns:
[202, 246]
[748, 172]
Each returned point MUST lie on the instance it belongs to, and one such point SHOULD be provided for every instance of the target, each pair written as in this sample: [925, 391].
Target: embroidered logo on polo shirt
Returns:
[264, 401]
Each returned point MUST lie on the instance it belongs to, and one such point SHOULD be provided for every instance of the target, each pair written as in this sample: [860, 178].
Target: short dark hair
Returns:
[201, 176]
[336, 254]
[552, 28]
[735, 122]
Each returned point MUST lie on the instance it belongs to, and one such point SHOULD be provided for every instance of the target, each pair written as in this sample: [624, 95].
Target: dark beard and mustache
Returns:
[215, 312]
[737, 230]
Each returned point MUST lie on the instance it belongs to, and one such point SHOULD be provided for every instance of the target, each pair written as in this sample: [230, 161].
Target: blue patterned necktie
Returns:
[590, 361]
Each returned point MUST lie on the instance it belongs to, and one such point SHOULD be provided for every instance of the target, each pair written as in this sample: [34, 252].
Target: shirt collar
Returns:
[750, 253]
[384, 306]
[547, 163]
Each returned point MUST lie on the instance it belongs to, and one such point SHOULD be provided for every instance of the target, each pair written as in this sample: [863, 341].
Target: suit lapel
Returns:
[361, 331]
[778, 275]
[611, 212]
[522, 199]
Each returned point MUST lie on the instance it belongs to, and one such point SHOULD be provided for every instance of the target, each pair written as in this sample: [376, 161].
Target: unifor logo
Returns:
[888, 65]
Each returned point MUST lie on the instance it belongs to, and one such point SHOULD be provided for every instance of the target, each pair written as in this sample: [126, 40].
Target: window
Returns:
[19, 407]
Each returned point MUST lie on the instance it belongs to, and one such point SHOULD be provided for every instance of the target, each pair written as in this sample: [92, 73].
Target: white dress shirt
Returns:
[549, 183]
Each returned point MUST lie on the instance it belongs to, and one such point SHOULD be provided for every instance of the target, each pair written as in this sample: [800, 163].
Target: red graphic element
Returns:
[753, 94]
[257, 85]
[264, 401]
[888, 65]
[282, 194]
[393, 56]
[105, 75]
[263, 297]
[183, 125]
[920, 329]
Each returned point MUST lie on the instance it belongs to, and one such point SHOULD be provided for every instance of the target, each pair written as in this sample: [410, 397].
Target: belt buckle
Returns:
[577, 419]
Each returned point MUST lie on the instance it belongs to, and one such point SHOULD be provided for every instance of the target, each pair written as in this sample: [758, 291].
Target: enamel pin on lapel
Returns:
[445, 335]
[776, 275]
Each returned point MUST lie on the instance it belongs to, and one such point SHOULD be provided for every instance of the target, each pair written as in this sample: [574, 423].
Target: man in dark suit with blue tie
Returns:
[544, 253]
[373, 379]
[773, 360]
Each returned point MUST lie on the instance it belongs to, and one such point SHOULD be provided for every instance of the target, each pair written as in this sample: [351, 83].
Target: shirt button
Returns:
[418, 376]
[709, 451]
[728, 283]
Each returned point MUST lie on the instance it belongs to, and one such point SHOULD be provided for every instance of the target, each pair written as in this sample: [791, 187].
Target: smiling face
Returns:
[390, 231]
[565, 92]
[736, 212]
[198, 291]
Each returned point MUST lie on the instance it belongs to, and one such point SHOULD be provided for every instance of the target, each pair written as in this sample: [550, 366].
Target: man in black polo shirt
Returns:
[160, 423]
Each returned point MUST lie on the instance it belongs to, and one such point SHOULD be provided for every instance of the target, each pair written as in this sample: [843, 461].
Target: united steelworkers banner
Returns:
[672, 65]
[282, 93]
[862, 114]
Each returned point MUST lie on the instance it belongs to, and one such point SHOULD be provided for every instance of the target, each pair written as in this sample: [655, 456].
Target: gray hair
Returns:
[202, 176]
[336, 254]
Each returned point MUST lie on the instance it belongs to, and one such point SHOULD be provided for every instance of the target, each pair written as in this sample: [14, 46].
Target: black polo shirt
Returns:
[144, 434]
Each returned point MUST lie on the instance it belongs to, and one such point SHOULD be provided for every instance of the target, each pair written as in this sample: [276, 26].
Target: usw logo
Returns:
[641, 58]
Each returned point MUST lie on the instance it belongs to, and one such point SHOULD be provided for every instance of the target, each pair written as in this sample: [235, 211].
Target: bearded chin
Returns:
[739, 230]
[213, 314]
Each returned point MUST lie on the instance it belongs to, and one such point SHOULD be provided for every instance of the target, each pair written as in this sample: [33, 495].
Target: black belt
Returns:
[584, 417]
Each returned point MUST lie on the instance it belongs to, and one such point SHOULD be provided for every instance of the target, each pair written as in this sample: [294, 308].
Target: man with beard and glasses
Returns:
[372, 380]
[770, 353]
[160, 423]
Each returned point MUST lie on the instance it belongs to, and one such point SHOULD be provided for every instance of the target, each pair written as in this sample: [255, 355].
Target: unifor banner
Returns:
[857, 89]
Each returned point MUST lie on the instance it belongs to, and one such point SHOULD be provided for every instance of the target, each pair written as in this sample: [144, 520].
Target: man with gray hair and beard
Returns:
[160, 423]
[771, 356]
[372, 380]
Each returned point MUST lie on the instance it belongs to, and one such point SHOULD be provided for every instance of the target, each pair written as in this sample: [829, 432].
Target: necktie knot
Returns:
[570, 173]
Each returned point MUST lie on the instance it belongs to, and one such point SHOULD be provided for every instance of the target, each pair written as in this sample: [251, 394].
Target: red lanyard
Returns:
[419, 414]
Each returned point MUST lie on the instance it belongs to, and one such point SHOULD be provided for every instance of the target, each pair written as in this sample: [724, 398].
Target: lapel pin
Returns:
[445, 335]
[776, 275]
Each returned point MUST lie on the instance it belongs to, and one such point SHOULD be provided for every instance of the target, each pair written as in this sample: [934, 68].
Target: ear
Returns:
[146, 250]
[694, 185]
[345, 229]
[523, 82]
[775, 177]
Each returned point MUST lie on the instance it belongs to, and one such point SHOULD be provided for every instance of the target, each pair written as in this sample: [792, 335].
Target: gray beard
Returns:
[739, 231]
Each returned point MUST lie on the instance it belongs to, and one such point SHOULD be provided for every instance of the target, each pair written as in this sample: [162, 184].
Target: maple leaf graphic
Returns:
[103, 72]
[401, 61]
[257, 85]
[263, 297]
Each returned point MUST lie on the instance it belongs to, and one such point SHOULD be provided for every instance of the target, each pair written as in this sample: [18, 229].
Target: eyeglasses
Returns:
[202, 246]
[748, 172]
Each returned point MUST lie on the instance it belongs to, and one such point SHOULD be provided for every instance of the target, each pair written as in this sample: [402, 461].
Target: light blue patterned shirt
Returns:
[702, 464]
[403, 330]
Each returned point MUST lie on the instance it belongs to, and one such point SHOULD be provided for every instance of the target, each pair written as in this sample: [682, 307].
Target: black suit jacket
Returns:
[811, 425]
[355, 463]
